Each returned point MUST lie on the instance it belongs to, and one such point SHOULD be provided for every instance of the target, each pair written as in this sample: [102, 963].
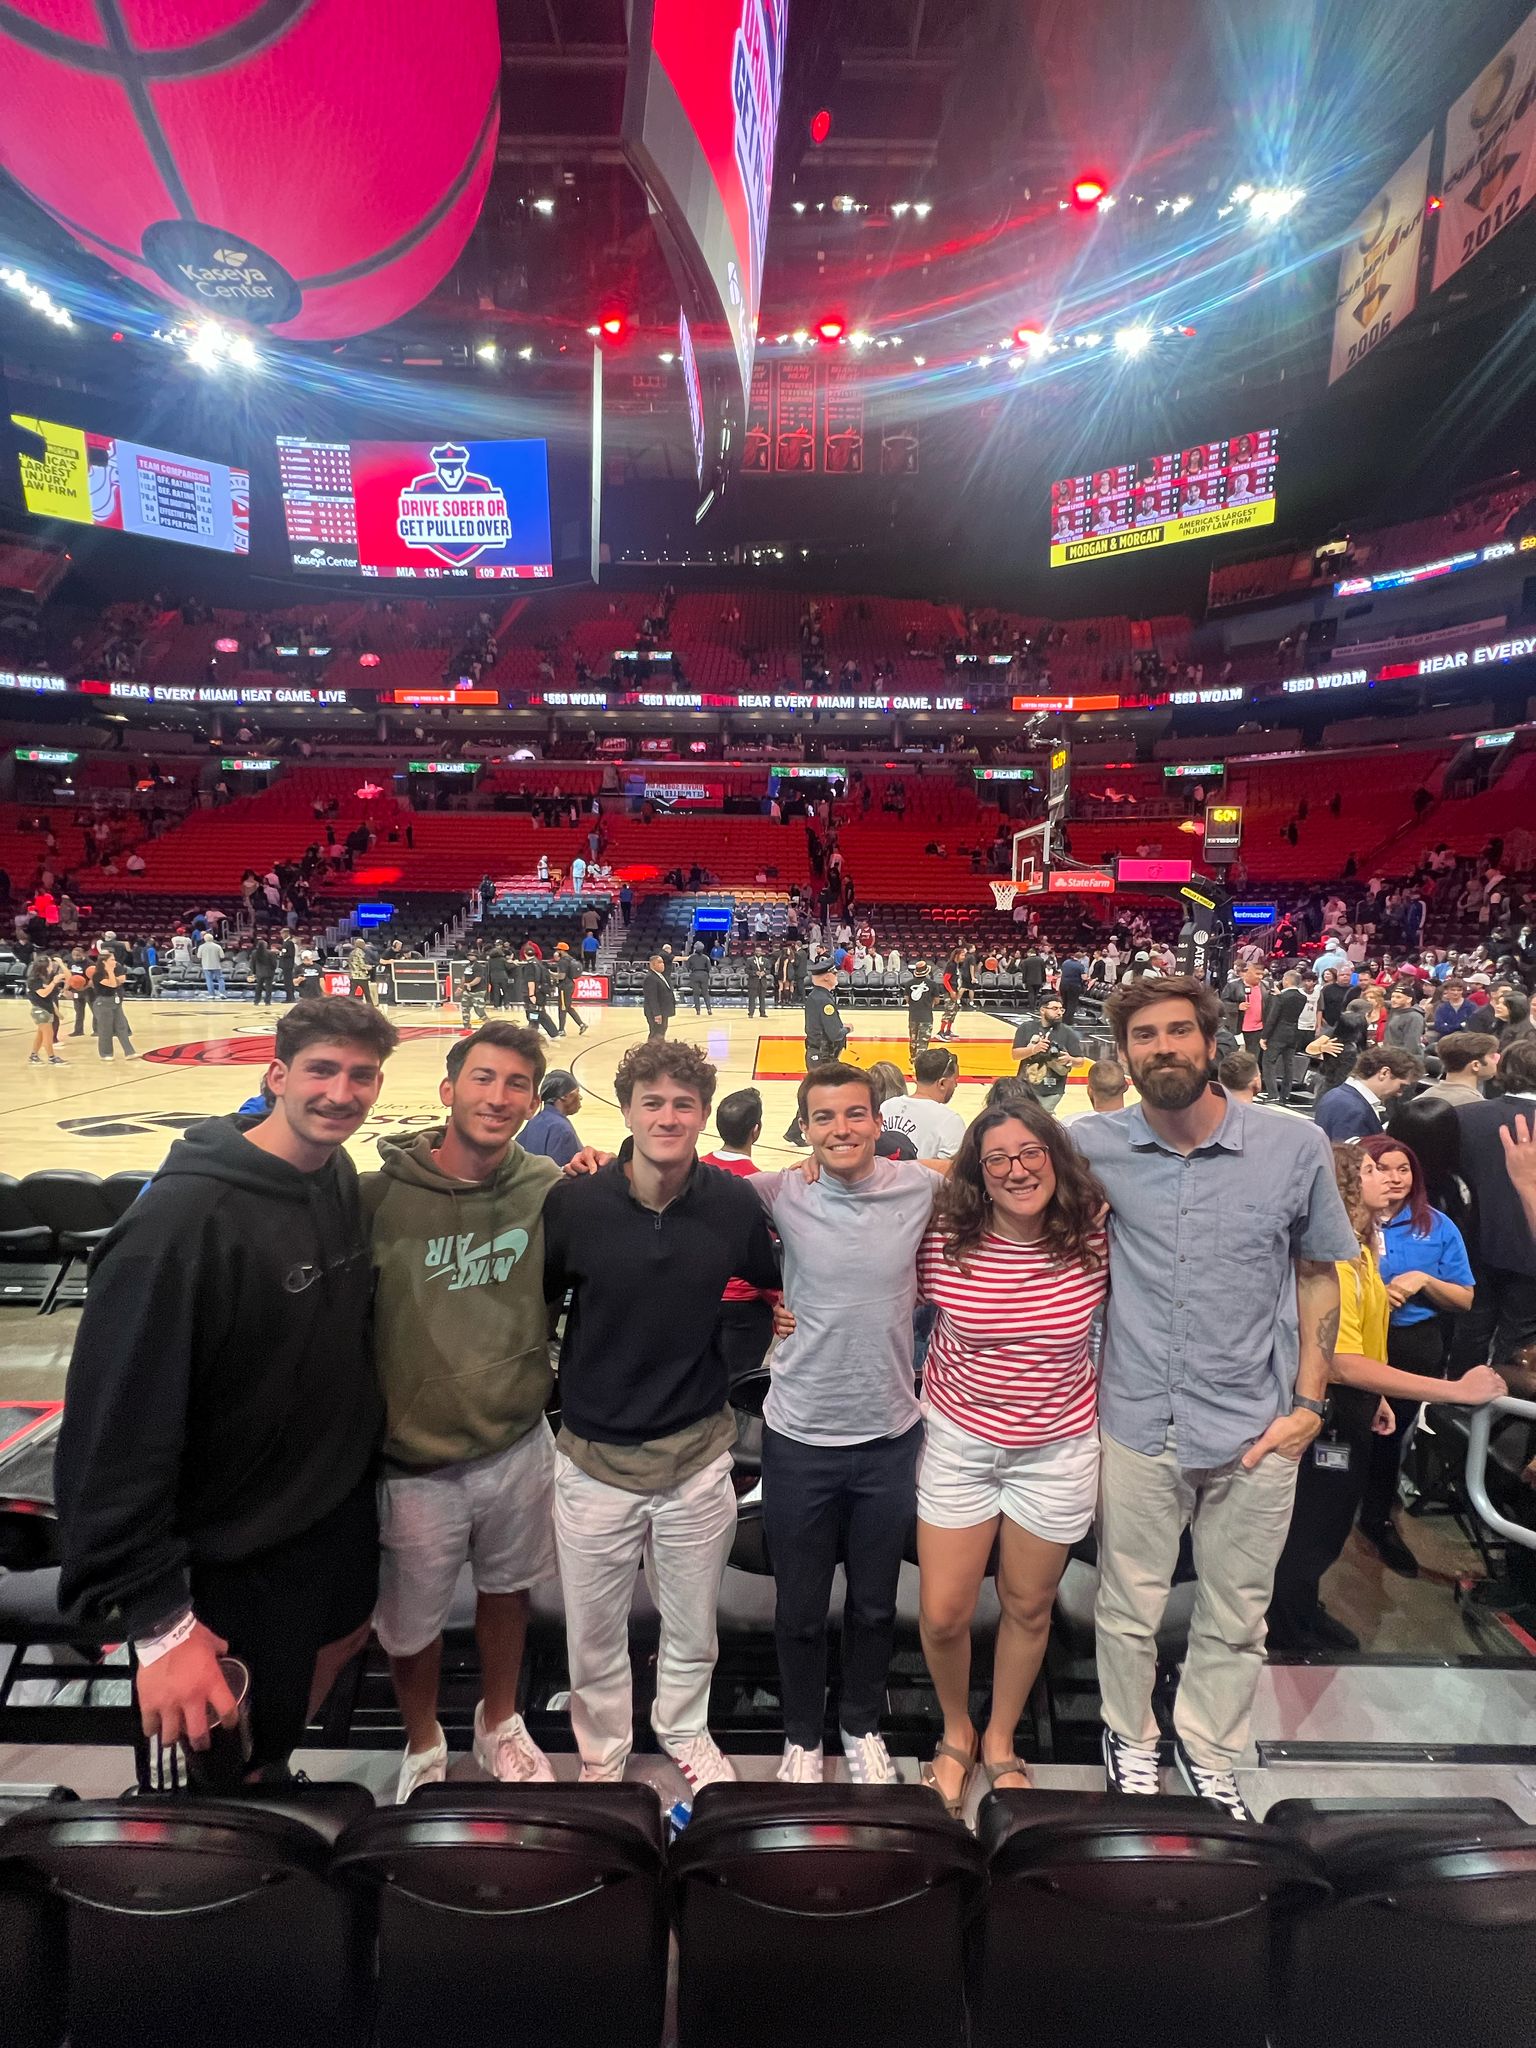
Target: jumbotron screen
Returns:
[417, 509]
[99, 480]
[1216, 488]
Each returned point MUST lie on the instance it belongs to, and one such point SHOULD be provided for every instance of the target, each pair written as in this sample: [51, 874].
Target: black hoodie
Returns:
[221, 1394]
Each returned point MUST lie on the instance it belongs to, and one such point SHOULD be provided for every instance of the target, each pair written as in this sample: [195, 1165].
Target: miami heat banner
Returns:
[757, 448]
[1379, 268]
[1490, 155]
[842, 421]
[451, 508]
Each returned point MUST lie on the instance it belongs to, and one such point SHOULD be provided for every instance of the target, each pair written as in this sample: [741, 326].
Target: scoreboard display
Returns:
[1199, 493]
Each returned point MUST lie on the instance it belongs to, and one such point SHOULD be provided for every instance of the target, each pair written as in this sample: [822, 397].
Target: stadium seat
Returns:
[75, 1208]
[123, 1189]
[1146, 1920]
[26, 1247]
[190, 1920]
[32, 1953]
[822, 1913]
[516, 1912]
[1432, 1932]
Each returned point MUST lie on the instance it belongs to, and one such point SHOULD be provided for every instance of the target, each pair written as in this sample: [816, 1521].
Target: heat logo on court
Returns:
[451, 511]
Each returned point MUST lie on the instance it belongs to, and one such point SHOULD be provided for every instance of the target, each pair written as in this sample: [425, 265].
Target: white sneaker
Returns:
[510, 1752]
[701, 1761]
[596, 1774]
[869, 1761]
[801, 1766]
[422, 1767]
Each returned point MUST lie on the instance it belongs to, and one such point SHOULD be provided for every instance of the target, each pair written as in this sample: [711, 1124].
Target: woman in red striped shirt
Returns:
[1016, 1265]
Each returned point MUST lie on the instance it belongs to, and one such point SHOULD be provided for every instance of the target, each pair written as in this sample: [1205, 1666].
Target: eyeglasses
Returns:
[995, 1165]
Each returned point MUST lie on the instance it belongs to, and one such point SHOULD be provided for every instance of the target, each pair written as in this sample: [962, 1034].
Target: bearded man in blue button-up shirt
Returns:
[1225, 1227]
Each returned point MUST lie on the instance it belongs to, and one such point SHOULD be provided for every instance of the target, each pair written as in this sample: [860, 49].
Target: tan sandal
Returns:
[955, 1807]
[1010, 1767]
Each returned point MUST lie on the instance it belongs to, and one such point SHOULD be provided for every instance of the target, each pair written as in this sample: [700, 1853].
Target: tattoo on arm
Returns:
[1328, 1333]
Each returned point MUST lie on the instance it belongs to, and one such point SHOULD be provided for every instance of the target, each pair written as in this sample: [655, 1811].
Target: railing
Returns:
[1478, 1435]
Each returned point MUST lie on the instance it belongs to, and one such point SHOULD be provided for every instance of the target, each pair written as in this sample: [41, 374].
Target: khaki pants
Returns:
[1238, 1522]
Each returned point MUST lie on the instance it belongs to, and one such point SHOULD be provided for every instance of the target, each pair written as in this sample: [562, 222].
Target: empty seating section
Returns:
[1375, 809]
[303, 1917]
[1466, 824]
[1472, 524]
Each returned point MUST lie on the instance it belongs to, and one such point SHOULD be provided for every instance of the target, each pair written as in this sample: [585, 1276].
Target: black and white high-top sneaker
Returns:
[1220, 1787]
[1129, 1767]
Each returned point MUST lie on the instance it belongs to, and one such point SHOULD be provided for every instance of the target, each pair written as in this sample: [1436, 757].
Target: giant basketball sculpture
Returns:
[309, 166]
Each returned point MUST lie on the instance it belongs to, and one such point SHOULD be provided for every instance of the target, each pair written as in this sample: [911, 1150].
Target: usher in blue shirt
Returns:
[1442, 1255]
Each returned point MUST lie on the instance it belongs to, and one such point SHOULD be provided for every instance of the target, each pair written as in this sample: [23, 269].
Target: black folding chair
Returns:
[26, 1247]
[76, 1209]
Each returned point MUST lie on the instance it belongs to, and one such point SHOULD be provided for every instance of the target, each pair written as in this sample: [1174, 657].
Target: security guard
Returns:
[759, 982]
[825, 1032]
[536, 984]
[919, 1008]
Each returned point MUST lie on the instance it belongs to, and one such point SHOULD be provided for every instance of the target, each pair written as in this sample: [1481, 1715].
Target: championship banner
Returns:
[1490, 155]
[794, 418]
[757, 444]
[1379, 268]
[842, 421]
[900, 449]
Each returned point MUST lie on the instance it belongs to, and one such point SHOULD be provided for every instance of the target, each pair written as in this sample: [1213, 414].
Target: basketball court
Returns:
[199, 1059]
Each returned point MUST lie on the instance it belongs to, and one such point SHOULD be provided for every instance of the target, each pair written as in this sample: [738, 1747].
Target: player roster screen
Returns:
[417, 509]
[1218, 487]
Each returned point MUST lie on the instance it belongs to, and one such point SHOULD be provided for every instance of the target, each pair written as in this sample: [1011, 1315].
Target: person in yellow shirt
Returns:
[1334, 1467]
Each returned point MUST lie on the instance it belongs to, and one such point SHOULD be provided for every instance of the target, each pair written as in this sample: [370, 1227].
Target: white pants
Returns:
[602, 1534]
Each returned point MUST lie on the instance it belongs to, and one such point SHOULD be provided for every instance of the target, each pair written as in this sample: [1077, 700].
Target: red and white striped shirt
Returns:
[1009, 1361]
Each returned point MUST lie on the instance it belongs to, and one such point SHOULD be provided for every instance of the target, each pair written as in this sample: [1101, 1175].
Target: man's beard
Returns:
[1171, 1084]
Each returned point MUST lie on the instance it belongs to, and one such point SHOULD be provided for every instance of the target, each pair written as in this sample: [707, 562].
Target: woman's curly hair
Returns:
[1073, 1226]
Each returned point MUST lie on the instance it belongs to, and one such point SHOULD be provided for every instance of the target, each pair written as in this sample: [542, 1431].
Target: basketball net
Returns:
[1003, 894]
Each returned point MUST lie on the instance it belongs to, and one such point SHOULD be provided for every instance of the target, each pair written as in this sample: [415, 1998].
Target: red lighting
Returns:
[117, 332]
[612, 325]
[821, 126]
[1088, 190]
[831, 328]
[1028, 336]
[367, 661]
[1434, 203]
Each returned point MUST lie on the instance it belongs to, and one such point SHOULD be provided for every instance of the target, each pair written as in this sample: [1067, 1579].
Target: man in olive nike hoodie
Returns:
[463, 1359]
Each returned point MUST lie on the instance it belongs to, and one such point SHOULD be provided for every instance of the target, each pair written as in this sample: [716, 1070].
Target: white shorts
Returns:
[1049, 1489]
[496, 1514]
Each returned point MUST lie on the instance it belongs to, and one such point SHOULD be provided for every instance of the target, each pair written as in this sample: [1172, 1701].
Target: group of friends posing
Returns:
[301, 1400]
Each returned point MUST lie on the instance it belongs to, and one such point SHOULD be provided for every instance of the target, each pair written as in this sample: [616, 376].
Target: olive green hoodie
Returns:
[459, 1321]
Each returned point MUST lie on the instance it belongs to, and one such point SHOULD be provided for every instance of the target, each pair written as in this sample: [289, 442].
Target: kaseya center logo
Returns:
[451, 511]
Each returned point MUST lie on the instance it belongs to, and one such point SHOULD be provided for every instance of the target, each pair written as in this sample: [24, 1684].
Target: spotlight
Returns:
[1241, 194]
[800, 337]
[1088, 190]
[1182, 204]
[798, 205]
[594, 330]
[1015, 362]
[858, 339]
[667, 356]
[525, 355]
[830, 328]
[206, 348]
[612, 324]
[922, 208]
[920, 361]
[487, 352]
[1133, 341]
[821, 125]
[1030, 338]
[243, 353]
[901, 208]
[1275, 203]
[544, 206]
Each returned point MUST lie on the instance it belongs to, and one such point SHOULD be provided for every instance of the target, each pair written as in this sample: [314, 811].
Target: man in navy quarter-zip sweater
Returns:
[645, 1247]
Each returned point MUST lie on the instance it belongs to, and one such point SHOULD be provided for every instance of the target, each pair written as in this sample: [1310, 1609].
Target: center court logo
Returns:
[451, 511]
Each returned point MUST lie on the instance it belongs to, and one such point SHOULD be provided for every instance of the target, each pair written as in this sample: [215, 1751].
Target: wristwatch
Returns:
[1318, 1408]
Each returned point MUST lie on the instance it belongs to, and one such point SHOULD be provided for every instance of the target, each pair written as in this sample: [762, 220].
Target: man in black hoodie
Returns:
[222, 1414]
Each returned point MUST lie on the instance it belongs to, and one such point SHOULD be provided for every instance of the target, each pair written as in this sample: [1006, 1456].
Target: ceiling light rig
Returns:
[36, 296]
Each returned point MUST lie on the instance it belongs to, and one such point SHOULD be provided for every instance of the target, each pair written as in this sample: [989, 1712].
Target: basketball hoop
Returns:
[1003, 894]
